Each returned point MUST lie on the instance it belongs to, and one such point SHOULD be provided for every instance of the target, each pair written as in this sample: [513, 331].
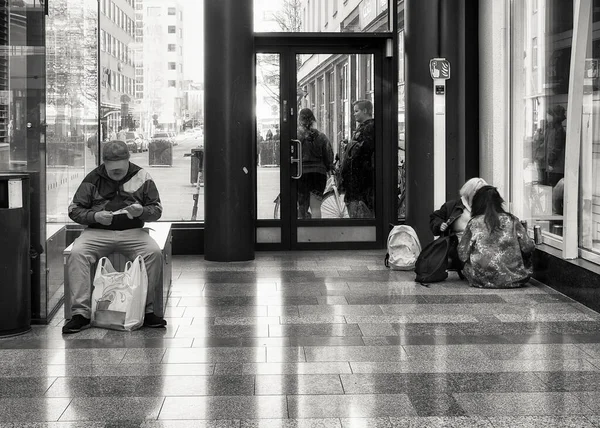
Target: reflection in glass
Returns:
[542, 83]
[267, 135]
[72, 101]
[346, 105]
[401, 192]
[590, 157]
[332, 16]
[152, 95]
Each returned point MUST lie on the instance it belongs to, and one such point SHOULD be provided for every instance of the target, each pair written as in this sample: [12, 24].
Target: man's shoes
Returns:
[76, 324]
[152, 321]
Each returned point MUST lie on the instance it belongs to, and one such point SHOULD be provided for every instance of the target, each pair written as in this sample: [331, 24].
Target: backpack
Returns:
[432, 264]
[403, 248]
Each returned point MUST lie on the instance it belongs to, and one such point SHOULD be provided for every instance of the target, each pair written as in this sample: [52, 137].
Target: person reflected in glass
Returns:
[554, 142]
[495, 247]
[357, 170]
[539, 151]
[453, 217]
[317, 163]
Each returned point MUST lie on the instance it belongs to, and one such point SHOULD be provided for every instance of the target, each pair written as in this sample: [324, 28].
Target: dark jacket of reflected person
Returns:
[555, 143]
[357, 169]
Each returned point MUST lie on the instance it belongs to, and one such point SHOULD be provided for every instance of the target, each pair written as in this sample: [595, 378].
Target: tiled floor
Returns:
[316, 339]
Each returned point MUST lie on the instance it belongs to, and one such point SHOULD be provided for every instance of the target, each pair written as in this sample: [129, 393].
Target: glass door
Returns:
[319, 147]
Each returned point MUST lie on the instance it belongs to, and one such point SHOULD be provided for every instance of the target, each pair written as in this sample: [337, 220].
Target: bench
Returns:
[161, 232]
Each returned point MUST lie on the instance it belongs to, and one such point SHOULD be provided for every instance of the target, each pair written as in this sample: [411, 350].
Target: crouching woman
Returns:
[494, 244]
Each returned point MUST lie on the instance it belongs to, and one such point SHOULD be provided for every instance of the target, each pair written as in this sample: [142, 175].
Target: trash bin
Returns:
[160, 153]
[197, 165]
[15, 286]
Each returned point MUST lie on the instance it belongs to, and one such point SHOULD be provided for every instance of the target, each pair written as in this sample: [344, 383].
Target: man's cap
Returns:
[115, 150]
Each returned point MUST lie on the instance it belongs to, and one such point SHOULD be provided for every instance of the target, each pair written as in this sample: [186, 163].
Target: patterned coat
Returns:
[495, 260]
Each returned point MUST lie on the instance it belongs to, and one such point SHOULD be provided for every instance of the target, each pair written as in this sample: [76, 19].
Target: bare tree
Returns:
[288, 18]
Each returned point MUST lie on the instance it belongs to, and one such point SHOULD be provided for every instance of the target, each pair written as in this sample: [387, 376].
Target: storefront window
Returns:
[401, 192]
[589, 230]
[542, 41]
[317, 16]
[72, 101]
[161, 115]
[22, 126]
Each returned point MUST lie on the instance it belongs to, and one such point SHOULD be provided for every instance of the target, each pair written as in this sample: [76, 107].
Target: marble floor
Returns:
[316, 339]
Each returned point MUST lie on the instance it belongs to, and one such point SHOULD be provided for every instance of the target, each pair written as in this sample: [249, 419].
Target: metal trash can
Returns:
[15, 286]
[197, 165]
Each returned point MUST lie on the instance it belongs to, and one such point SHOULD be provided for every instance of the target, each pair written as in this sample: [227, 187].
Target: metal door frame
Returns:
[288, 46]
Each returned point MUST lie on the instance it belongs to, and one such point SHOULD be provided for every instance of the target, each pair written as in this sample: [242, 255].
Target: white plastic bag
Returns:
[119, 298]
[332, 205]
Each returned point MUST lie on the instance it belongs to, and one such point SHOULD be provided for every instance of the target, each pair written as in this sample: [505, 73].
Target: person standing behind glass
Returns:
[555, 141]
[317, 162]
[357, 169]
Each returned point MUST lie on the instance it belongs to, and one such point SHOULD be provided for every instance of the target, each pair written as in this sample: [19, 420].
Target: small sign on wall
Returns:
[15, 194]
[439, 68]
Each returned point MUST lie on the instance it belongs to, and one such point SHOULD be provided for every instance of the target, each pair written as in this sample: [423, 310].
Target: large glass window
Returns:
[317, 16]
[589, 230]
[268, 94]
[544, 91]
[542, 38]
[401, 192]
[72, 100]
[161, 119]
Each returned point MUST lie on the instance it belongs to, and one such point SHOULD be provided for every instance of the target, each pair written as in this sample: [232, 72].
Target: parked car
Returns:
[163, 135]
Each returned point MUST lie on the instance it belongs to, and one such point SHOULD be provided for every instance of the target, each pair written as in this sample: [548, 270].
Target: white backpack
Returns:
[403, 248]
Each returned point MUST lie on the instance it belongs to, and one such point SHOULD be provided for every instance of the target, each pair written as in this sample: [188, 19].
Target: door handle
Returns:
[296, 157]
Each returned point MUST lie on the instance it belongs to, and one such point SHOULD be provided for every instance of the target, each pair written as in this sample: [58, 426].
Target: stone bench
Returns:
[161, 232]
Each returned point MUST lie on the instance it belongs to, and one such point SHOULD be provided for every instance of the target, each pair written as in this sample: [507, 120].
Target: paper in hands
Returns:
[134, 210]
[123, 211]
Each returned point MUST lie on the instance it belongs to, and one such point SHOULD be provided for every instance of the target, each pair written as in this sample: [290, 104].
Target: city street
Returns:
[173, 183]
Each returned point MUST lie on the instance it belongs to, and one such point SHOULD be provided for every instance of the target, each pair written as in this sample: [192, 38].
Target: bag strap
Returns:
[102, 264]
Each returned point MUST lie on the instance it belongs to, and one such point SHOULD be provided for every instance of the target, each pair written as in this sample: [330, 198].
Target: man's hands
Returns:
[103, 217]
[443, 227]
[134, 210]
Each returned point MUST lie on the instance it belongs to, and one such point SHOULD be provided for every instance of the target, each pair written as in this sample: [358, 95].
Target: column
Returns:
[229, 173]
[437, 28]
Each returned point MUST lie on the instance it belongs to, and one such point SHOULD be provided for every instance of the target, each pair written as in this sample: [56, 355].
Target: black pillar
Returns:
[438, 28]
[421, 41]
[229, 188]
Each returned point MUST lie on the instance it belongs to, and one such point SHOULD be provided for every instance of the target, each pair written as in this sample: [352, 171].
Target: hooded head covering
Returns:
[468, 190]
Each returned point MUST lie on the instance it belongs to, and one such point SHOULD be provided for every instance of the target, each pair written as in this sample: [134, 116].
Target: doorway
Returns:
[319, 145]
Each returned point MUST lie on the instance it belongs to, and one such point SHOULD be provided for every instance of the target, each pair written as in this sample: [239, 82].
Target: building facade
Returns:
[117, 73]
[162, 77]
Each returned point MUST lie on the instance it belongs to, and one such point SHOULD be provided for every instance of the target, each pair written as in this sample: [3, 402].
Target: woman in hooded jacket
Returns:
[453, 216]
[317, 162]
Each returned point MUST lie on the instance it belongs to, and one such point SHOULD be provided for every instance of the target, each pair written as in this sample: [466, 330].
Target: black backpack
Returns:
[432, 263]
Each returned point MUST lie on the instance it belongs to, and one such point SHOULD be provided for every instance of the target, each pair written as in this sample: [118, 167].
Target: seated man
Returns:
[116, 185]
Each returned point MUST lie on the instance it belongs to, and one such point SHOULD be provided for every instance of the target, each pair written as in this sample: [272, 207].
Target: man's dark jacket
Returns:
[98, 192]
